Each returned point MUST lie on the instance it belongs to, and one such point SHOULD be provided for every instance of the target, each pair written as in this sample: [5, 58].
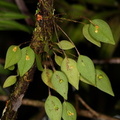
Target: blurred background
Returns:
[16, 26]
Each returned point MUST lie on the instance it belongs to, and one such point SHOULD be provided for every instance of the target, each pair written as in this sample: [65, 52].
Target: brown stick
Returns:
[28, 102]
[90, 113]
[108, 61]
[15, 100]
[24, 10]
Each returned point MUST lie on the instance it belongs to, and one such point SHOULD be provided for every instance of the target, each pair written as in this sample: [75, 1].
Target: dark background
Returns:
[108, 10]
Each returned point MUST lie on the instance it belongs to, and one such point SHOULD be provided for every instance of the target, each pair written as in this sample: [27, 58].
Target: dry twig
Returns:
[89, 112]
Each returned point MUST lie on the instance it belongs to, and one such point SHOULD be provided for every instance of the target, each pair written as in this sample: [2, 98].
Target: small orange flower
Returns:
[39, 17]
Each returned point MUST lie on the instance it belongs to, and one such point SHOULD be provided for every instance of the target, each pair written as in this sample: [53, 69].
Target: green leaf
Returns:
[53, 108]
[8, 5]
[86, 68]
[4, 71]
[103, 82]
[58, 60]
[13, 25]
[86, 81]
[11, 16]
[39, 62]
[69, 67]
[11, 67]
[60, 83]
[46, 77]
[65, 45]
[13, 56]
[101, 31]
[69, 112]
[10, 81]
[26, 61]
[88, 36]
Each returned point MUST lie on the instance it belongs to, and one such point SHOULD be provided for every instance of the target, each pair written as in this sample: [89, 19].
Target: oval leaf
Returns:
[103, 82]
[10, 81]
[53, 108]
[13, 56]
[69, 67]
[65, 45]
[26, 61]
[46, 77]
[86, 68]
[60, 83]
[88, 36]
[101, 31]
[69, 112]
[58, 60]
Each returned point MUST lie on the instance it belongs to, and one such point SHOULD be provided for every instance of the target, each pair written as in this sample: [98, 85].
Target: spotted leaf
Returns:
[60, 83]
[13, 56]
[46, 77]
[69, 67]
[26, 61]
[69, 112]
[101, 31]
[103, 82]
[53, 108]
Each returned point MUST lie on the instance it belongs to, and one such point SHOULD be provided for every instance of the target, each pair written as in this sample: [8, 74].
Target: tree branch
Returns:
[27, 102]
[15, 100]
[90, 113]
[41, 36]
[24, 10]
[2, 61]
[108, 61]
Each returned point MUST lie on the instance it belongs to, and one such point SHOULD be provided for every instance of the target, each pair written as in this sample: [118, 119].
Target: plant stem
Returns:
[41, 36]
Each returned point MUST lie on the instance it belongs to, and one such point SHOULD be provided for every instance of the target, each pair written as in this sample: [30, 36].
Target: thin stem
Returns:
[69, 39]
[58, 37]
[87, 106]
[70, 20]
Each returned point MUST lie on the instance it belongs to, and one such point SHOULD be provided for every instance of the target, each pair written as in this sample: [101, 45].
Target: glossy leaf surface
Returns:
[13, 56]
[46, 77]
[69, 67]
[10, 81]
[101, 31]
[53, 108]
[60, 83]
[89, 37]
[65, 45]
[103, 82]
[69, 112]
[86, 68]
[26, 61]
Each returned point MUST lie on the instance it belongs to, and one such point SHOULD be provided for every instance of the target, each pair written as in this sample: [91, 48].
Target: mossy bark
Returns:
[42, 35]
